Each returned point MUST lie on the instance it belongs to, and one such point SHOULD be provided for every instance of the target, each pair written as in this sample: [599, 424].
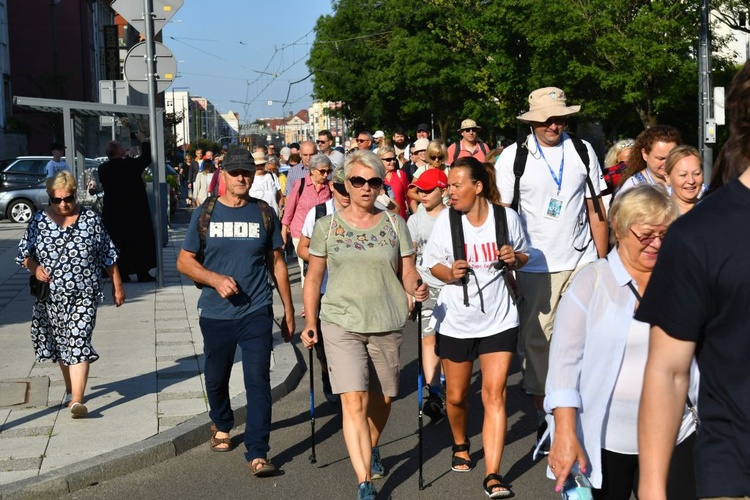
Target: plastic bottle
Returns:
[577, 486]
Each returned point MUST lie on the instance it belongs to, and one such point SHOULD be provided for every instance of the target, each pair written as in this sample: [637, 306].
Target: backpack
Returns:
[207, 210]
[519, 166]
[459, 248]
[457, 150]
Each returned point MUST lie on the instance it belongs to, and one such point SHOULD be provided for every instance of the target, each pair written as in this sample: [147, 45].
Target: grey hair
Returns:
[367, 159]
[367, 134]
[319, 161]
[272, 159]
[385, 149]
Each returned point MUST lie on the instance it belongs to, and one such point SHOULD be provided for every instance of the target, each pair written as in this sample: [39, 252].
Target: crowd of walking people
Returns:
[622, 287]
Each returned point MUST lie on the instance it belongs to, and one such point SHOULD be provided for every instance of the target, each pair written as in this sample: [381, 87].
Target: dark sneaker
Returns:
[545, 441]
[366, 491]
[433, 407]
[377, 471]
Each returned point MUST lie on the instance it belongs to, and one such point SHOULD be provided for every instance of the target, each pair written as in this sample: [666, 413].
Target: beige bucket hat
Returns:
[545, 103]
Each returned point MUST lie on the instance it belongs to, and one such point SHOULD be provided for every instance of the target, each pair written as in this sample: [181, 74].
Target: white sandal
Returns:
[78, 410]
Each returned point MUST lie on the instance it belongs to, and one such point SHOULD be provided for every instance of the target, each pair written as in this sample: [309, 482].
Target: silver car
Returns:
[20, 204]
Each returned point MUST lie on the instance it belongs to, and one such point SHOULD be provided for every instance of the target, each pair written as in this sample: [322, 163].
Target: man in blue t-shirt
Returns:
[236, 304]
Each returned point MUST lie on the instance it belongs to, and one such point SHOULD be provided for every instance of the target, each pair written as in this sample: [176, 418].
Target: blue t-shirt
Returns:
[235, 246]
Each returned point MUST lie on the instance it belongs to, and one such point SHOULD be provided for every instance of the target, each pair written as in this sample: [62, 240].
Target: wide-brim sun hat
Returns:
[468, 123]
[546, 103]
[259, 158]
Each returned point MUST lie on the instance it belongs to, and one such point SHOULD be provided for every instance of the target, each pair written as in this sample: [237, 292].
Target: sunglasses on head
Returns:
[438, 157]
[67, 199]
[373, 182]
[238, 172]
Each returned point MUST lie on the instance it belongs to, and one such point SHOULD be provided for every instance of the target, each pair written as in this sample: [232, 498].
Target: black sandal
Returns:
[491, 491]
[458, 461]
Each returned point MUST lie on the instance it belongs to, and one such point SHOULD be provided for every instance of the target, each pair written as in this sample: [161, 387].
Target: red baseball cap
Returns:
[430, 179]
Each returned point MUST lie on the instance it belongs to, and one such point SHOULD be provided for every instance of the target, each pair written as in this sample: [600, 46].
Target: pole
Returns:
[313, 458]
[705, 105]
[156, 166]
[420, 382]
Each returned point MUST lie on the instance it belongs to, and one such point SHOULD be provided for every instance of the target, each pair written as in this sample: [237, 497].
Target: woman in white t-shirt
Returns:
[483, 326]
[598, 356]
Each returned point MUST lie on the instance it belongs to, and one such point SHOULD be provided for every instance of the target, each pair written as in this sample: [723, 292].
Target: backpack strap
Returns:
[519, 166]
[320, 210]
[459, 250]
[204, 219]
[584, 154]
[501, 236]
[301, 186]
[482, 147]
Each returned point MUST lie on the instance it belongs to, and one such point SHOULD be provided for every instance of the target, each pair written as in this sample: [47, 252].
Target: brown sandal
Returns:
[260, 467]
[218, 444]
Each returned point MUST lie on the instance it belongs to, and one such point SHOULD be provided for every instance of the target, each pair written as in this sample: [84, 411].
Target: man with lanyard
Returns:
[469, 145]
[236, 304]
[564, 230]
[307, 150]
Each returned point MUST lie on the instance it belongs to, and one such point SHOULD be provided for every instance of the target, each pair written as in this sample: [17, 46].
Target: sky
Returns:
[244, 55]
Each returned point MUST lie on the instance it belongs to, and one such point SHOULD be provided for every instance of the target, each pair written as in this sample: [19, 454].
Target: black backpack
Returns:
[459, 248]
[519, 166]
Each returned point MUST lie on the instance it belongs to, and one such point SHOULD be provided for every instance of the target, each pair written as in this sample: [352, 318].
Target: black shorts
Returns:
[460, 350]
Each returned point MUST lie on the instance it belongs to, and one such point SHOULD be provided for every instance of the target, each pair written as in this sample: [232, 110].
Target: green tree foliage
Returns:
[630, 63]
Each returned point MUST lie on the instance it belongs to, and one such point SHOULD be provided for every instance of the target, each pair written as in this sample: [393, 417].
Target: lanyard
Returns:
[559, 177]
[648, 174]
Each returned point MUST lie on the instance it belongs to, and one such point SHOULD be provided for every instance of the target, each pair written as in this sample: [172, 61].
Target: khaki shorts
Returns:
[362, 361]
[541, 293]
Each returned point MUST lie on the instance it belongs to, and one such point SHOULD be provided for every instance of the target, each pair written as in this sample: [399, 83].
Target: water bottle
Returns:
[577, 486]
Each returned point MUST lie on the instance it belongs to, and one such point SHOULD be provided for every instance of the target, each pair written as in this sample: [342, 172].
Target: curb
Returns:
[153, 450]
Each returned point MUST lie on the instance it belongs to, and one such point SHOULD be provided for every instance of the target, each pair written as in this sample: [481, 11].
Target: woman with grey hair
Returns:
[304, 194]
[368, 254]
[598, 356]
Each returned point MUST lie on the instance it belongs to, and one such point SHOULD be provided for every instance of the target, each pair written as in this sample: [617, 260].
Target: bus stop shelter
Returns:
[86, 128]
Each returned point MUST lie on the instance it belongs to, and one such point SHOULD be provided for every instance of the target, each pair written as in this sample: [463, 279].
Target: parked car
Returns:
[20, 203]
[27, 170]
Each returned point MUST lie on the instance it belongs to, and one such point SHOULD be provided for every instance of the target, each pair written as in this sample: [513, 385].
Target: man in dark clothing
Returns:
[127, 215]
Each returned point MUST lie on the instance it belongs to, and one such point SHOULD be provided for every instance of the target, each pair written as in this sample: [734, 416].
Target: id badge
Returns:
[554, 207]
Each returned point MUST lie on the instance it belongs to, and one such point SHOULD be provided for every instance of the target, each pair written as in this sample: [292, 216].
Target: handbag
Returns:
[39, 289]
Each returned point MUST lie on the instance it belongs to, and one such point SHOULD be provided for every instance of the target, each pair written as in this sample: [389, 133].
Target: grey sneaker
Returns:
[377, 471]
[366, 491]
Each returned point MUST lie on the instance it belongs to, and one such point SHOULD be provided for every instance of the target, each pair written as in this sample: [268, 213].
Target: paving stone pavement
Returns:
[145, 395]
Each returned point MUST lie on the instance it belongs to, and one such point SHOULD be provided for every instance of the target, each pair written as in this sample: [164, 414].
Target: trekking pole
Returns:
[313, 459]
[420, 380]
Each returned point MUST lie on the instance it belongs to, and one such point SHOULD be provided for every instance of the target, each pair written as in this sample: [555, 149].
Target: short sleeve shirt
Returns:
[236, 246]
[364, 293]
[700, 292]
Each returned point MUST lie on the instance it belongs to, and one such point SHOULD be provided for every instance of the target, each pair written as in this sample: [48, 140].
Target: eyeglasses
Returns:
[68, 199]
[439, 157]
[647, 239]
[323, 171]
[389, 159]
[321, 142]
[373, 182]
[469, 130]
[426, 191]
[238, 172]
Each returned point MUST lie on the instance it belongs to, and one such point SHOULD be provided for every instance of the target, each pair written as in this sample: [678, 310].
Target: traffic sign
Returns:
[136, 67]
[132, 12]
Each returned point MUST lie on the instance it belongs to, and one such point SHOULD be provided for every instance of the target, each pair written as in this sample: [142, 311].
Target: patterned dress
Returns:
[62, 325]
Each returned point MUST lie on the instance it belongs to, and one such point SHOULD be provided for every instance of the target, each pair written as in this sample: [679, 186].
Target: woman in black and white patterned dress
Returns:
[67, 246]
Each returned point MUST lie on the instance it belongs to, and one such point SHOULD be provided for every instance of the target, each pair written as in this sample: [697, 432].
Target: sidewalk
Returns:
[145, 394]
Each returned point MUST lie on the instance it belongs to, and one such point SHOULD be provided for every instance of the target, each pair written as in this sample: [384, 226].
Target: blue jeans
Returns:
[252, 334]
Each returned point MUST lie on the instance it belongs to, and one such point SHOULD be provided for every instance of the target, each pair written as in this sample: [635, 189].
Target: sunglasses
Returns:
[439, 157]
[321, 142]
[470, 130]
[323, 171]
[68, 199]
[389, 159]
[373, 182]
[647, 239]
[238, 172]
[426, 191]
[363, 140]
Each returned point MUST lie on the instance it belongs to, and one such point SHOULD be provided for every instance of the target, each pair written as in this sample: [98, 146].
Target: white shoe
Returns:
[78, 410]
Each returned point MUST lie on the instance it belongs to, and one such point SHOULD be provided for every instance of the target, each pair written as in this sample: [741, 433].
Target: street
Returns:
[200, 473]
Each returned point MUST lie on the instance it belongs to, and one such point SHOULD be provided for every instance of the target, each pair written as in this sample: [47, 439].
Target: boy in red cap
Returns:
[431, 187]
